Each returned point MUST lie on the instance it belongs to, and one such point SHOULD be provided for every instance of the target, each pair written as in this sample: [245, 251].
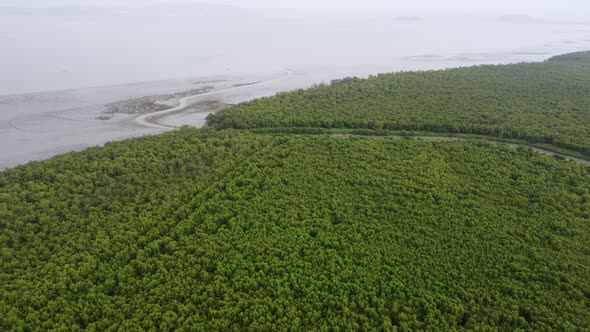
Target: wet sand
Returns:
[157, 119]
[38, 126]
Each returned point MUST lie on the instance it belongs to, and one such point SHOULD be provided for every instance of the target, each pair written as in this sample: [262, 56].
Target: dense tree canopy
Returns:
[215, 231]
[219, 229]
[544, 103]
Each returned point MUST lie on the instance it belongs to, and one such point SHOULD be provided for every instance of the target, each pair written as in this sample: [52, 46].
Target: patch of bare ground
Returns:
[150, 104]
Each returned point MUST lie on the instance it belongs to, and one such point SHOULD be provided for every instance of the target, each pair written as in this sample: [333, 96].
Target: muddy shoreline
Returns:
[156, 119]
[41, 125]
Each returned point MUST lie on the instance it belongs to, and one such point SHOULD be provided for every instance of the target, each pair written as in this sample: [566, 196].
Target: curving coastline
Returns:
[149, 119]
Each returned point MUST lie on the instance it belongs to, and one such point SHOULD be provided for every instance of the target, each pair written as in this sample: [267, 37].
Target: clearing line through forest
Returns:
[184, 212]
[452, 139]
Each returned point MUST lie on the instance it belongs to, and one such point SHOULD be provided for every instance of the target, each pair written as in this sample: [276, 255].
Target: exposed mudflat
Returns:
[38, 126]
[150, 104]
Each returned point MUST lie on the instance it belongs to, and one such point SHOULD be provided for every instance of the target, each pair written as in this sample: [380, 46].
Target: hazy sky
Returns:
[536, 7]
[521, 6]
[59, 44]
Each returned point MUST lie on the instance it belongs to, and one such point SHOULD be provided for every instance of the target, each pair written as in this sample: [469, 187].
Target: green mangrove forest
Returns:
[268, 219]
